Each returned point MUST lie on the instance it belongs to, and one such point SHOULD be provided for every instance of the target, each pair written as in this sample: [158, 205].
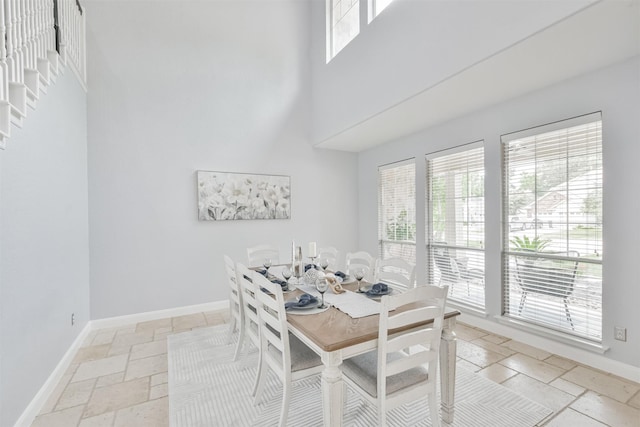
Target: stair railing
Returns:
[37, 38]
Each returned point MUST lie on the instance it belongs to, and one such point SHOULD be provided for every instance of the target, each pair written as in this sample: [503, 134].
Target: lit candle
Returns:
[312, 249]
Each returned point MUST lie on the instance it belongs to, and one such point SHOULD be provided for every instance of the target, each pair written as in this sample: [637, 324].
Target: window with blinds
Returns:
[397, 210]
[455, 222]
[552, 219]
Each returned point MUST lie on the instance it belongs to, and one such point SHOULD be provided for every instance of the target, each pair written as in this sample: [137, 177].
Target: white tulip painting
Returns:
[229, 196]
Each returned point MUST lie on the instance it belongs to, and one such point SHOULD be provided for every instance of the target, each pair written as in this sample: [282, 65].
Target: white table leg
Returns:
[448, 369]
[332, 389]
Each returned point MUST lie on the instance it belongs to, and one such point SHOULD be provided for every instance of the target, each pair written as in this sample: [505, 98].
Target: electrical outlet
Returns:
[620, 333]
[73, 319]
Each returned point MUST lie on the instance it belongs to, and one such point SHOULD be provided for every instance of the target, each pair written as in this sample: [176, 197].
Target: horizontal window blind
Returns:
[397, 210]
[552, 226]
[455, 222]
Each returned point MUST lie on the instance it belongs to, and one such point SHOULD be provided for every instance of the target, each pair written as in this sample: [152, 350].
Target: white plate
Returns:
[316, 310]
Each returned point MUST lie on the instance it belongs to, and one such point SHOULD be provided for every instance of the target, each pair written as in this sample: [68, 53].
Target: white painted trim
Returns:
[586, 357]
[33, 409]
[114, 322]
[36, 404]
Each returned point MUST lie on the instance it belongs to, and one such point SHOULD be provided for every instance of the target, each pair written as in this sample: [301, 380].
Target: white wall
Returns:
[177, 87]
[616, 92]
[44, 247]
[410, 47]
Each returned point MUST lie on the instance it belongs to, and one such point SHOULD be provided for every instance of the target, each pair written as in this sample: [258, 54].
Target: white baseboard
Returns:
[33, 409]
[114, 322]
[580, 355]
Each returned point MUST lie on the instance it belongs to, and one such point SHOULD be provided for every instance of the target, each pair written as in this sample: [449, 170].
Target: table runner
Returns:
[354, 304]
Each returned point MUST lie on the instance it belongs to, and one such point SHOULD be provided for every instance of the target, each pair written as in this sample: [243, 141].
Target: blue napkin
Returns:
[378, 289]
[280, 282]
[303, 301]
[308, 267]
[340, 274]
[263, 272]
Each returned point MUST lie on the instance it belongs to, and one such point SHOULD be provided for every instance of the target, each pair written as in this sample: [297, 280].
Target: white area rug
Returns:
[206, 388]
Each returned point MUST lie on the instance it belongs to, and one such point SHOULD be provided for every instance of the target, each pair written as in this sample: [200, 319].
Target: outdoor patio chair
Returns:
[454, 270]
[548, 276]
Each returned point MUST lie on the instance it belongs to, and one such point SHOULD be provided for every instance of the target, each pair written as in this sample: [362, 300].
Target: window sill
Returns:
[540, 331]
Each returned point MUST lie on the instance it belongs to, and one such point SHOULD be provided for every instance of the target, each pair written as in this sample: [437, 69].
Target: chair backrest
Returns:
[361, 259]
[427, 302]
[235, 296]
[249, 303]
[331, 254]
[257, 254]
[273, 325]
[397, 273]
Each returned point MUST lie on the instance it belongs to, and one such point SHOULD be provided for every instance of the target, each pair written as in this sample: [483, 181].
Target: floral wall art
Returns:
[228, 196]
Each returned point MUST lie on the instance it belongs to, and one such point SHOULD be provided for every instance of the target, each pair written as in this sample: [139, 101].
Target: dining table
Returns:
[336, 336]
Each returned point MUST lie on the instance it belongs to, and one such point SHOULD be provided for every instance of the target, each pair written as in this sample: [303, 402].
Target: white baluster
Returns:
[31, 31]
[4, 89]
[64, 27]
[10, 38]
[28, 34]
[18, 6]
[17, 41]
[3, 29]
[5, 106]
[16, 88]
[50, 26]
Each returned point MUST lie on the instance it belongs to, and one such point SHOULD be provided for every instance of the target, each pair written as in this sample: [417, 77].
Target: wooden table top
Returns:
[334, 330]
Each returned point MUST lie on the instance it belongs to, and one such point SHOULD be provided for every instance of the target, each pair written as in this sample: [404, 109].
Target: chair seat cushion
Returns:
[363, 370]
[302, 357]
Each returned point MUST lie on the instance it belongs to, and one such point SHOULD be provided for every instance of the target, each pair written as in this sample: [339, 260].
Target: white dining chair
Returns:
[361, 259]
[250, 313]
[331, 254]
[404, 367]
[288, 357]
[397, 273]
[257, 254]
[236, 319]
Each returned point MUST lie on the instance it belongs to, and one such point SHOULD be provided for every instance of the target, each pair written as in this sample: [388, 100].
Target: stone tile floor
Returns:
[119, 378]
